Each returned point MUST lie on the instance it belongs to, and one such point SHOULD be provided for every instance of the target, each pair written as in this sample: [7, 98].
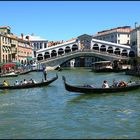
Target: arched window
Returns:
[103, 48]
[95, 47]
[74, 47]
[67, 49]
[117, 51]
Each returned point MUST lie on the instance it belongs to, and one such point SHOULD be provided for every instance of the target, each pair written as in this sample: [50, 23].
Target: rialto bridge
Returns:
[83, 46]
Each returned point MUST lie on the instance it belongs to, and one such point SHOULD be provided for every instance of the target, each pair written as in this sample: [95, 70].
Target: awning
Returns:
[1, 64]
[17, 63]
[8, 65]
[29, 58]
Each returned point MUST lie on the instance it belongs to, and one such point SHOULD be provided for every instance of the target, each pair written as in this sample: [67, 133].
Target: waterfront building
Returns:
[119, 35]
[37, 43]
[24, 51]
[135, 40]
[13, 48]
[8, 45]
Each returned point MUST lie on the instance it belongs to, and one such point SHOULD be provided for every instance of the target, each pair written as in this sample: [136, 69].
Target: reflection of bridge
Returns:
[83, 45]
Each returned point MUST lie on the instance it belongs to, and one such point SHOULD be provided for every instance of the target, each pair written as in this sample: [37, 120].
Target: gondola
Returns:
[24, 72]
[31, 85]
[93, 90]
[12, 74]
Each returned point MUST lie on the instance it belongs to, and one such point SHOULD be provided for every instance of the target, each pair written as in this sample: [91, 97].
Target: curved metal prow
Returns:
[56, 75]
[63, 78]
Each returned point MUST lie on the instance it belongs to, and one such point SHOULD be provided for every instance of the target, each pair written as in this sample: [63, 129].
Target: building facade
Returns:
[37, 43]
[12, 47]
[119, 35]
[24, 52]
[135, 40]
[8, 45]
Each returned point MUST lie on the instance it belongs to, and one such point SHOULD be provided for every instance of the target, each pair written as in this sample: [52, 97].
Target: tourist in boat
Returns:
[131, 83]
[24, 81]
[122, 84]
[115, 83]
[5, 83]
[105, 84]
[31, 81]
[21, 83]
[17, 82]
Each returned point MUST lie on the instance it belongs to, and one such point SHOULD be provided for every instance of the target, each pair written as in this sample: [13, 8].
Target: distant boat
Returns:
[107, 66]
[102, 66]
[11, 74]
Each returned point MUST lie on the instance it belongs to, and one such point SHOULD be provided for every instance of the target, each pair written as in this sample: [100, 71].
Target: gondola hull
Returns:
[34, 85]
[91, 90]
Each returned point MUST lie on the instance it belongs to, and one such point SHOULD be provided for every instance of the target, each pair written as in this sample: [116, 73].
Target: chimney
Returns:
[27, 37]
[22, 36]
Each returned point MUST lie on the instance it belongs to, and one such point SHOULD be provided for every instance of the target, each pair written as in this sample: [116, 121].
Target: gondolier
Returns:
[45, 73]
[29, 85]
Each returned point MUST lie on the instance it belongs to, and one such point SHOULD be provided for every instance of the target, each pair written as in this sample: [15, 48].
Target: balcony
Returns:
[13, 50]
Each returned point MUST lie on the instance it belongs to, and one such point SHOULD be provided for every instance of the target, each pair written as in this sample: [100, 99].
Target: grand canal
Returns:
[53, 112]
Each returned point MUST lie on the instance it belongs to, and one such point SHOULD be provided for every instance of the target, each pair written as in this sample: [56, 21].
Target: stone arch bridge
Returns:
[83, 46]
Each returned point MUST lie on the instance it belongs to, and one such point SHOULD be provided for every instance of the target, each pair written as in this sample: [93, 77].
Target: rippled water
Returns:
[53, 112]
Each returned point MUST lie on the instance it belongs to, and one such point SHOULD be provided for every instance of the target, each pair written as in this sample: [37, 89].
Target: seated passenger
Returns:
[5, 83]
[16, 83]
[115, 83]
[105, 84]
[31, 81]
[21, 83]
[24, 81]
[122, 84]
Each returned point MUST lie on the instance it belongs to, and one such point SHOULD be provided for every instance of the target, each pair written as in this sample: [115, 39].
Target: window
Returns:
[118, 35]
[40, 45]
[118, 41]
[127, 41]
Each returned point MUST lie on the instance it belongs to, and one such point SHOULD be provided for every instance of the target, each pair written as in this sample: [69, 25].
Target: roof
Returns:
[35, 38]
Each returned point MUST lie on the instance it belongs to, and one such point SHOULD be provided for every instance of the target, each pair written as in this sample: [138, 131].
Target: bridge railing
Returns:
[84, 50]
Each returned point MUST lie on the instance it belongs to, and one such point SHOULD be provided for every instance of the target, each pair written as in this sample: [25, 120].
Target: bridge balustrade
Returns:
[84, 50]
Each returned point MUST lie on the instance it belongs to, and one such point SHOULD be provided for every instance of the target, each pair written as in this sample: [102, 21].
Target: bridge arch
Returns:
[46, 55]
[95, 47]
[117, 51]
[67, 49]
[60, 51]
[53, 53]
[40, 57]
[124, 53]
[103, 48]
[132, 54]
[74, 47]
[110, 49]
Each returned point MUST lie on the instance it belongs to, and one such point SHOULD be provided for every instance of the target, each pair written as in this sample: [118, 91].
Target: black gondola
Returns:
[9, 75]
[32, 85]
[93, 90]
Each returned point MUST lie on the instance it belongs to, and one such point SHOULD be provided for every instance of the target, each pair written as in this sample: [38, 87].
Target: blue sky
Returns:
[63, 20]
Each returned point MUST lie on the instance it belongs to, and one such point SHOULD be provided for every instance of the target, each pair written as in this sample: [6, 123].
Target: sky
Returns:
[63, 20]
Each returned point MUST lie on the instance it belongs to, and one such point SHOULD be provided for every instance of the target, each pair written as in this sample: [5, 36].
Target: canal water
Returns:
[52, 112]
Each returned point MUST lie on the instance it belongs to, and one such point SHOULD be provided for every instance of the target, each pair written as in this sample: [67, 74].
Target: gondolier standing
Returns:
[45, 73]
